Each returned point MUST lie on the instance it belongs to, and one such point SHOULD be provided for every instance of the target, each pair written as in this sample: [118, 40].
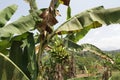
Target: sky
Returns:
[105, 38]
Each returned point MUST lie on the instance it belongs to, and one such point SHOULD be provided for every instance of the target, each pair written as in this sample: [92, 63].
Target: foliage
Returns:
[22, 53]
[10, 70]
[57, 58]
[6, 14]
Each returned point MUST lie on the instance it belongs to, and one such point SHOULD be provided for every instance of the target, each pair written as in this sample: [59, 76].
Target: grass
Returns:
[86, 78]
[115, 76]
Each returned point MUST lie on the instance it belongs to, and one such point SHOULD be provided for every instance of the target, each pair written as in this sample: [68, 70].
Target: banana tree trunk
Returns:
[58, 75]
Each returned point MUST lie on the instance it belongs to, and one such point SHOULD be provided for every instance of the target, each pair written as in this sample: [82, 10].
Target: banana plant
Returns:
[88, 47]
[43, 20]
[6, 14]
[10, 70]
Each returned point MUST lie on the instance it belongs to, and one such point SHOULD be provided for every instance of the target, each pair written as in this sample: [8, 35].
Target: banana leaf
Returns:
[9, 70]
[3, 47]
[93, 18]
[19, 27]
[22, 53]
[22, 25]
[87, 47]
[6, 14]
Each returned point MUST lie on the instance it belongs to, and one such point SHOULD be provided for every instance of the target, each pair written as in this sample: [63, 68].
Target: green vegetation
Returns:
[48, 55]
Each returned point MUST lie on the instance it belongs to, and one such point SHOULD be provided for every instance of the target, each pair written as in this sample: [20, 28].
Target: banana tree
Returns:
[43, 20]
[10, 70]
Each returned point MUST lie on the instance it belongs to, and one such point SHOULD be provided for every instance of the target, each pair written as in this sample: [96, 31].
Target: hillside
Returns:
[113, 51]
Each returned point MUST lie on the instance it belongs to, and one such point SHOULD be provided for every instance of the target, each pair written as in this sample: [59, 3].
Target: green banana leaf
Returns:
[68, 12]
[87, 47]
[93, 18]
[30, 50]
[97, 51]
[22, 53]
[3, 47]
[9, 70]
[6, 14]
[6, 43]
[22, 25]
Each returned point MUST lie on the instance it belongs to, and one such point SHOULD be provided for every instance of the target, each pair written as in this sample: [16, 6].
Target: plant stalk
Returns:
[39, 57]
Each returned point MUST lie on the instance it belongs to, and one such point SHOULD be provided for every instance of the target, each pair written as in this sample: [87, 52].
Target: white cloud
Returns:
[106, 37]
[109, 43]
